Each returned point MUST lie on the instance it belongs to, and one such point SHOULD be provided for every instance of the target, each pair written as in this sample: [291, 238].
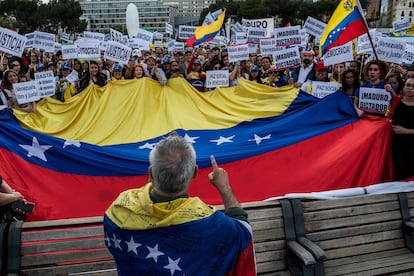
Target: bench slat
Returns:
[73, 268]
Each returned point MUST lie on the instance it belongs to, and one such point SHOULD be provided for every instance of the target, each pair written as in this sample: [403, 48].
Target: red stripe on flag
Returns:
[353, 30]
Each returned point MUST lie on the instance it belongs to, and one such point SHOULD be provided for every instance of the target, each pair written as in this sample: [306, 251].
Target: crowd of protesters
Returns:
[73, 76]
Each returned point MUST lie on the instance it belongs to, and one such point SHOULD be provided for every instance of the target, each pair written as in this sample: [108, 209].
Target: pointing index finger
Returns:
[214, 163]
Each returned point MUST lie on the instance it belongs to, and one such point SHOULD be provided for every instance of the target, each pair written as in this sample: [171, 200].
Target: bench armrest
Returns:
[316, 251]
[299, 251]
[409, 225]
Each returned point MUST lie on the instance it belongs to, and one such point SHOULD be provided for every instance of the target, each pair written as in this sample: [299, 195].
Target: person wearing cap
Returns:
[254, 74]
[67, 83]
[321, 74]
[276, 78]
[165, 64]
[154, 72]
[117, 72]
[196, 77]
[302, 75]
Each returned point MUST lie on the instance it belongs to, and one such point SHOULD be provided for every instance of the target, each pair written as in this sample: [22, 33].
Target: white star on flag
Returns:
[148, 146]
[36, 149]
[259, 139]
[71, 143]
[108, 240]
[132, 245]
[116, 242]
[190, 139]
[173, 265]
[222, 140]
[154, 253]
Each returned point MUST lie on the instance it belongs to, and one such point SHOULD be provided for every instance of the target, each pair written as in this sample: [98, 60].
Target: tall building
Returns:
[102, 15]
[397, 10]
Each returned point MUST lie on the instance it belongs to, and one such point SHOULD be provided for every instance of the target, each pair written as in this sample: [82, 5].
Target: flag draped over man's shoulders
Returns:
[180, 237]
[346, 23]
[207, 32]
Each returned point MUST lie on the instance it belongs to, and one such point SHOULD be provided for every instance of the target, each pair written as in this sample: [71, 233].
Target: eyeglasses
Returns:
[216, 67]
[409, 85]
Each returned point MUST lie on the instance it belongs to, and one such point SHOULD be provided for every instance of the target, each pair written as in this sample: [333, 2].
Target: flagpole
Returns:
[370, 40]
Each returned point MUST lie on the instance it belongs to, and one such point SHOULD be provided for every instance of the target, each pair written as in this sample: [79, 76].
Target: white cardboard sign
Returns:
[238, 52]
[374, 100]
[11, 42]
[217, 78]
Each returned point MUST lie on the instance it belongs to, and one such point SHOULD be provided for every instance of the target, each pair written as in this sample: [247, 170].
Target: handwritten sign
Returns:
[26, 92]
[45, 41]
[267, 46]
[374, 100]
[322, 89]
[143, 39]
[94, 35]
[117, 52]
[401, 25]
[69, 51]
[339, 54]
[11, 42]
[217, 78]
[238, 52]
[408, 56]
[288, 36]
[391, 50]
[185, 32]
[314, 27]
[88, 49]
[45, 83]
[264, 23]
[287, 58]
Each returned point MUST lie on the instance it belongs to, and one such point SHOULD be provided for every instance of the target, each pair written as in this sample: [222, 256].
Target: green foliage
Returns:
[30, 15]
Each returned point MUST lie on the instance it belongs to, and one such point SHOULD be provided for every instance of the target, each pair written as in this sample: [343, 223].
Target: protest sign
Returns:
[267, 46]
[253, 47]
[264, 23]
[169, 28]
[65, 37]
[179, 46]
[238, 52]
[58, 47]
[391, 50]
[170, 45]
[88, 49]
[143, 39]
[69, 51]
[374, 100]
[408, 56]
[117, 52]
[29, 41]
[45, 83]
[72, 77]
[288, 36]
[94, 35]
[287, 58]
[11, 42]
[240, 37]
[363, 43]
[255, 34]
[339, 54]
[237, 27]
[314, 27]
[26, 92]
[322, 89]
[44, 41]
[217, 78]
[117, 36]
[185, 32]
[158, 43]
[401, 25]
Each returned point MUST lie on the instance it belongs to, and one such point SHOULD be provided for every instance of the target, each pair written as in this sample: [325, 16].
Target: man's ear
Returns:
[195, 172]
[150, 178]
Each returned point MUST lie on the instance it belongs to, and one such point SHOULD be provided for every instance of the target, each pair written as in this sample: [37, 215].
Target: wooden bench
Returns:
[76, 246]
[363, 235]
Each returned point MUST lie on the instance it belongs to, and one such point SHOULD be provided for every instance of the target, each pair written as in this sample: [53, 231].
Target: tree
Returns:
[64, 14]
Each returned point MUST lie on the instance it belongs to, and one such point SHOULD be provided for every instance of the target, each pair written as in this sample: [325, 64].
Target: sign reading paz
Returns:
[374, 100]
[322, 89]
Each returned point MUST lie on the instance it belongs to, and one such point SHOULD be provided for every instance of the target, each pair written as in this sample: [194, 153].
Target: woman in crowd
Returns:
[403, 128]
[394, 84]
[374, 73]
[10, 77]
[135, 72]
[350, 83]
[254, 75]
[93, 76]
[338, 70]
[196, 77]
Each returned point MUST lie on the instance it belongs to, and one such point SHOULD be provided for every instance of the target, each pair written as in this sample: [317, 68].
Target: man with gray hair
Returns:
[159, 230]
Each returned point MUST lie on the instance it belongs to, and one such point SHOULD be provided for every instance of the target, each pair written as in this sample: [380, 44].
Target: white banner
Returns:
[143, 39]
[391, 50]
[44, 41]
[158, 43]
[170, 45]
[238, 52]
[255, 34]
[240, 38]
[374, 100]
[94, 35]
[11, 42]
[401, 25]
[264, 23]
[88, 49]
[267, 46]
[179, 46]
[322, 89]
[117, 52]
[314, 27]
[45, 83]
[408, 56]
[363, 43]
[169, 28]
[287, 58]
[288, 36]
[69, 51]
[253, 47]
[217, 78]
[237, 27]
[58, 47]
[339, 54]
[30, 40]
[65, 37]
[117, 36]
[157, 35]
[185, 32]
[26, 92]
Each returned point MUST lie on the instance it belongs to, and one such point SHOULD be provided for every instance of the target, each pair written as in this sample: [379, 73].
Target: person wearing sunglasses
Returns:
[276, 78]
[403, 130]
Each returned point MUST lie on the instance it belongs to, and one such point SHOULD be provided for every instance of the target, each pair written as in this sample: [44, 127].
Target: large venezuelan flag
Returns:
[207, 32]
[346, 23]
[72, 159]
